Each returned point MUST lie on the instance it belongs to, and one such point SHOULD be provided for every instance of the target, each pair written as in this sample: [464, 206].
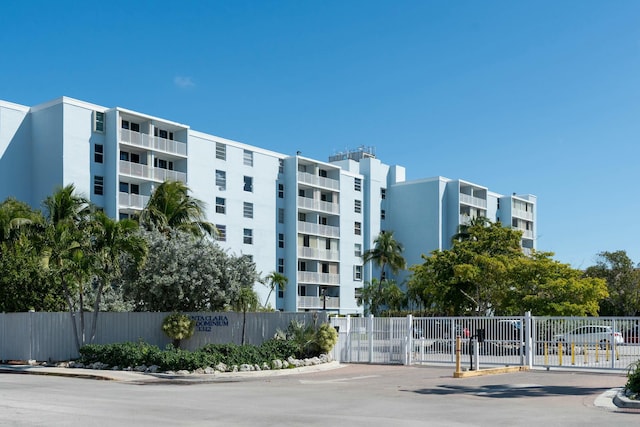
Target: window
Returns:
[134, 189]
[124, 187]
[305, 240]
[302, 216]
[280, 215]
[280, 240]
[280, 290]
[357, 250]
[280, 166]
[221, 151]
[221, 205]
[300, 192]
[383, 193]
[164, 134]
[248, 184]
[125, 124]
[135, 127]
[248, 210]
[98, 121]
[222, 232]
[98, 185]
[357, 206]
[280, 265]
[281, 191]
[248, 158]
[248, 236]
[322, 173]
[498, 200]
[327, 244]
[325, 268]
[98, 153]
[221, 180]
[383, 214]
[322, 220]
[122, 216]
[357, 184]
[357, 272]
[357, 228]
[163, 164]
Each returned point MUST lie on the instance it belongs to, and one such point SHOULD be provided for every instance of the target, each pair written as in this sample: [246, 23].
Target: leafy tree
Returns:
[183, 274]
[171, 207]
[386, 252]
[273, 280]
[623, 283]
[379, 297]
[178, 327]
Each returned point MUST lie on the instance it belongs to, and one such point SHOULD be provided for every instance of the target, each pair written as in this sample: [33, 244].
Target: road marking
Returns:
[338, 380]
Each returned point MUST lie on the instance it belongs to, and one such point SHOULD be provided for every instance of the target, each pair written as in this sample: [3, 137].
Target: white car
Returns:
[591, 335]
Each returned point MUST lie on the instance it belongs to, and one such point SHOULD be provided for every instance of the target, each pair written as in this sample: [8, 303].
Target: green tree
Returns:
[273, 280]
[379, 298]
[387, 252]
[171, 207]
[623, 283]
[246, 300]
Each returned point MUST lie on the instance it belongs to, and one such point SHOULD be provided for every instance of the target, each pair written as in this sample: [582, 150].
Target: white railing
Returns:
[318, 205]
[320, 278]
[313, 253]
[318, 181]
[144, 171]
[135, 201]
[152, 142]
[321, 230]
[527, 234]
[317, 302]
[474, 201]
[522, 214]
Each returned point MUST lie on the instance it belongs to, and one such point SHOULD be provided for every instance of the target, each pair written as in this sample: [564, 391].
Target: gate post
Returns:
[527, 333]
[408, 349]
[347, 345]
[370, 334]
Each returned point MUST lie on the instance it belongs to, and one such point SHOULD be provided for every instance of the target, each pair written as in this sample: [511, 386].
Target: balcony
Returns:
[313, 253]
[318, 205]
[473, 201]
[153, 142]
[522, 214]
[318, 303]
[132, 201]
[318, 229]
[318, 181]
[143, 171]
[318, 278]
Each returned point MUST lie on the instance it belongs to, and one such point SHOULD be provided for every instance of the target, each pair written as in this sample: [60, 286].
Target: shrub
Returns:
[633, 378]
[326, 337]
[178, 327]
[119, 354]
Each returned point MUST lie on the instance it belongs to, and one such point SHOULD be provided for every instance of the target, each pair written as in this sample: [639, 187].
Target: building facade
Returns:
[307, 219]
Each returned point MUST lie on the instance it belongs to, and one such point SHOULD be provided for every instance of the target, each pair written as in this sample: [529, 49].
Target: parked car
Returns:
[591, 335]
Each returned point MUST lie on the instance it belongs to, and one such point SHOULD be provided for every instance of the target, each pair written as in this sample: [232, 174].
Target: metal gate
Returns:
[547, 342]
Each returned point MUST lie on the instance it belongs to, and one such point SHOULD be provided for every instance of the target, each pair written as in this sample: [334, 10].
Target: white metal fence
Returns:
[49, 337]
[570, 342]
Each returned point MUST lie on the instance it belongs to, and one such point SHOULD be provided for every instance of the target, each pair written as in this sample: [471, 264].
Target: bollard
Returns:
[560, 353]
[573, 353]
[607, 351]
[584, 351]
[617, 352]
[597, 353]
[546, 354]
[458, 346]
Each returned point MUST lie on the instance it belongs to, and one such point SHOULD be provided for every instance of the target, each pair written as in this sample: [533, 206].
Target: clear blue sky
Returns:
[538, 97]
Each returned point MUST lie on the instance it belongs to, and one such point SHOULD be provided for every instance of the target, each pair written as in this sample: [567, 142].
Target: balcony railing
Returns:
[153, 142]
[318, 181]
[318, 205]
[319, 278]
[473, 201]
[134, 201]
[318, 229]
[313, 253]
[318, 303]
[522, 214]
[144, 171]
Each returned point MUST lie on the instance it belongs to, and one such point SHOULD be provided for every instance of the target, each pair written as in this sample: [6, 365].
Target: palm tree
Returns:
[171, 207]
[16, 216]
[110, 240]
[275, 279]
[245, 300]
[386, 252]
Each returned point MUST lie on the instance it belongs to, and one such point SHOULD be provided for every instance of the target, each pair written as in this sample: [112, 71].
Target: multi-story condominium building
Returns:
[308, 219]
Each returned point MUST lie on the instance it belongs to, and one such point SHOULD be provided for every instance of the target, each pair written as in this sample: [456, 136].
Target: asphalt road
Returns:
[354, 395]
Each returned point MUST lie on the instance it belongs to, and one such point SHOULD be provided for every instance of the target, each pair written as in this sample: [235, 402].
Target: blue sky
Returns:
[539, 97]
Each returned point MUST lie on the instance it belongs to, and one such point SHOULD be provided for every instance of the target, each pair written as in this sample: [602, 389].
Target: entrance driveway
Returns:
[355, 395]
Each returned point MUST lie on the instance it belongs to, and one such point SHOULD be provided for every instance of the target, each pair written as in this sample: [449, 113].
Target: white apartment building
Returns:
[308, 219]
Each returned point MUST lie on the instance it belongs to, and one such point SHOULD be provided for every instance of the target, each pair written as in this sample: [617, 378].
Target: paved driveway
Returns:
[354, 395]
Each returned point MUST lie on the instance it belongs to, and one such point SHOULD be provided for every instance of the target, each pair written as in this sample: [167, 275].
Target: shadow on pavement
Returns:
[511, 390]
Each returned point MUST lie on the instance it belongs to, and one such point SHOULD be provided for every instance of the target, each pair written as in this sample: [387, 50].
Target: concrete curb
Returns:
[622, 401]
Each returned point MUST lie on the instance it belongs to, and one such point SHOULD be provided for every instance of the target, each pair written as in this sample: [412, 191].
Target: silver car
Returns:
[591, 335]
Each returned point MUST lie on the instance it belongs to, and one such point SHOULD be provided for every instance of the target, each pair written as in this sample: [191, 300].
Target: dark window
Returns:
[98, 153]
[98, 185]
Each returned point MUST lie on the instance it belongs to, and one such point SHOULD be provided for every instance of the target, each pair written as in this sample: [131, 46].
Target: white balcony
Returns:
[132, 201]
[318, 205]
[143, 171]
[318, 181]
[318, 278]
[153, 142]
[318, 229]
[318, 303]
[473, 201]
[522, 214]
[314, 253]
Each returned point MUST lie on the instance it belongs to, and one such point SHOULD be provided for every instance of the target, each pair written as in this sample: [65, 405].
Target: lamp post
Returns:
[323, 292]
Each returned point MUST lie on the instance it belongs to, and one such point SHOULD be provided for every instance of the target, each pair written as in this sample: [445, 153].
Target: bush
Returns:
[326, 337]
[633, 378]
[178, 327]
[309, 341]
[119, 354]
